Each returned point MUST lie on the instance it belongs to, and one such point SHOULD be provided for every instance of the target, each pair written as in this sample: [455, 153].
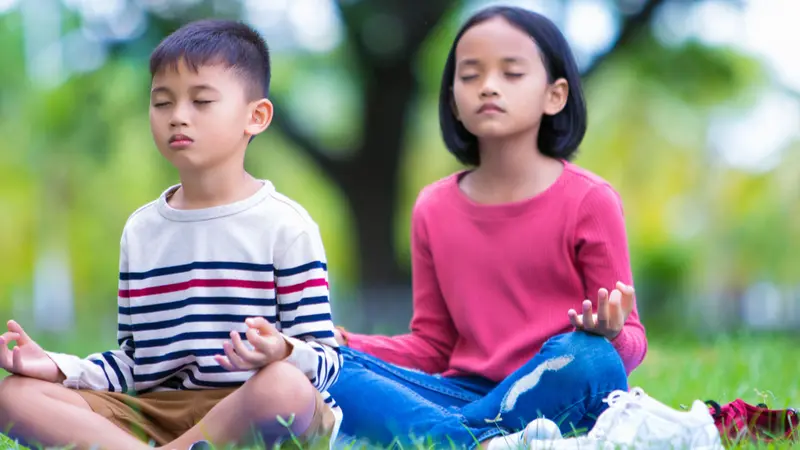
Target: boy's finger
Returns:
[235, 360]
[259, 342]
[261, 324]
[241, 350]
[5, 355]
[225, 363]
[17, 360]
[588, 319]
[8, 337]
[14, 327]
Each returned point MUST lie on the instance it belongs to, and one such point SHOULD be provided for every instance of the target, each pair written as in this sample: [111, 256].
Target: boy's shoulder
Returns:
[286, 212]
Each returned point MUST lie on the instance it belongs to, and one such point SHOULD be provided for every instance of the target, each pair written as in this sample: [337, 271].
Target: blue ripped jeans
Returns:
[565, 382]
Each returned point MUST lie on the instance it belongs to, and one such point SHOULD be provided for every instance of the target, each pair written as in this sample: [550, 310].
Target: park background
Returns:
[694, 117]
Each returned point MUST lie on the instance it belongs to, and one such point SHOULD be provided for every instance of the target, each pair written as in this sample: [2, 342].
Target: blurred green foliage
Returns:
[77, 159]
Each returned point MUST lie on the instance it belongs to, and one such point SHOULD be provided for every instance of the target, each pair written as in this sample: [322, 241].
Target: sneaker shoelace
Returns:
[618, 402]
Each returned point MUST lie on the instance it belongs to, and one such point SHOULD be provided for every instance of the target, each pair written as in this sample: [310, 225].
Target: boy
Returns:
[218, 259]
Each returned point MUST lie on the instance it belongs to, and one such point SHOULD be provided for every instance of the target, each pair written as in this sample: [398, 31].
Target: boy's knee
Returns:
[281, 385]
[13, 387]
[14, 391]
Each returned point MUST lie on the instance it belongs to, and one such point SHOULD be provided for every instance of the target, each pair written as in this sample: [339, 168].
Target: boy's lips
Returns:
[180, 141]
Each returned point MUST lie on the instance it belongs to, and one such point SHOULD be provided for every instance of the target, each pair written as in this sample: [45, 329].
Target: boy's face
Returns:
[203, 119]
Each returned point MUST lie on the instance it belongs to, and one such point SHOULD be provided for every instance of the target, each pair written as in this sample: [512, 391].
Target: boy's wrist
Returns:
[342, 336]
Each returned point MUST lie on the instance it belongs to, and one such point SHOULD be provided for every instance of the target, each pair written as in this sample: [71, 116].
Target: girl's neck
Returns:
[512, 169]
[222, 185]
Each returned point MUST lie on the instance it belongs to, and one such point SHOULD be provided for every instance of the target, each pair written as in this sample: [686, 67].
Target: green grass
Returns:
[756, 369]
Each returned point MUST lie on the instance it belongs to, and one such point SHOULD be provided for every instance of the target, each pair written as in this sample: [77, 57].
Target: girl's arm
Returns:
[603, 259]
[430, 343]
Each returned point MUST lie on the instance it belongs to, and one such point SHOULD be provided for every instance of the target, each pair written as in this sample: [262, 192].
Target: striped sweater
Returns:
[189, 277]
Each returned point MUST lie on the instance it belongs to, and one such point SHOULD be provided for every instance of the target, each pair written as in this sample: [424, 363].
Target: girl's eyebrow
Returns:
[475, 62]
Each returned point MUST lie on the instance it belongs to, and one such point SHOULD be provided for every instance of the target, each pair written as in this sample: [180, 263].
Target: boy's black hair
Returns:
[216, 41]
[559, 135]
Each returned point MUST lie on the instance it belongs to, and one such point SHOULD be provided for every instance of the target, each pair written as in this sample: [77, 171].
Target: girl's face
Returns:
[501, 87]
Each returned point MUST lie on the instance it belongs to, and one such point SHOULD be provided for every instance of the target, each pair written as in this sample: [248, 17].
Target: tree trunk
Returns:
[371, 184]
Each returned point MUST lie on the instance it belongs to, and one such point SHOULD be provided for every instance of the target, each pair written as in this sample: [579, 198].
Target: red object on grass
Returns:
[740, 421]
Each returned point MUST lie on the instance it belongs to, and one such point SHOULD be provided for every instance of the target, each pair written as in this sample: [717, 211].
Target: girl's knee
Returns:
[589, 354]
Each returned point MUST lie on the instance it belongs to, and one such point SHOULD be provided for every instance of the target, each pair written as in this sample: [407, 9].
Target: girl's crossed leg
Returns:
[565, 382]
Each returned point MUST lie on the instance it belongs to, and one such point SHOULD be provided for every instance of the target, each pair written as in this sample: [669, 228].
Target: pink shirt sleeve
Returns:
[430, 343]
[603, 258]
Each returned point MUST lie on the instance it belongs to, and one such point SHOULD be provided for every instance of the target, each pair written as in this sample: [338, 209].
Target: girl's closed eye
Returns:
[202, 102]
[465, 78]
[514, 75]
[160, 104]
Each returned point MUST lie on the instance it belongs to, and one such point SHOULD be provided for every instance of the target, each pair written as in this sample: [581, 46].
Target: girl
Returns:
[502, 255]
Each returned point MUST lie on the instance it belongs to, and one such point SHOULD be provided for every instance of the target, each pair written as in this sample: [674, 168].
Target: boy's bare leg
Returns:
[279, 389]
[52, 415]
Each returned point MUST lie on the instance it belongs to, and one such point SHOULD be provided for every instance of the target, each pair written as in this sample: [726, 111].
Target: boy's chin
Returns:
[187, 160]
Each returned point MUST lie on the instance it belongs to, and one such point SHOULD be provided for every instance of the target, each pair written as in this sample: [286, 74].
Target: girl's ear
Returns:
[260, 117]
[556, 97]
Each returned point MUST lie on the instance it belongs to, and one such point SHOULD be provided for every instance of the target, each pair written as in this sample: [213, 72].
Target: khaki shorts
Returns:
[164, 416]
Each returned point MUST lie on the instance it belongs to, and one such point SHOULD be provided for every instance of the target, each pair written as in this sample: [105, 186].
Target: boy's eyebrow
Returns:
[198, 87]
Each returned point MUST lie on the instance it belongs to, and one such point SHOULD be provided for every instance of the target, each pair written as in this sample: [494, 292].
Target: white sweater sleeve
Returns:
[304, 310]
[112, 370]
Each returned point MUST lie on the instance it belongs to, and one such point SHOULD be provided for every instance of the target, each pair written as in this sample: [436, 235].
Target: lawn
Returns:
[756, 369]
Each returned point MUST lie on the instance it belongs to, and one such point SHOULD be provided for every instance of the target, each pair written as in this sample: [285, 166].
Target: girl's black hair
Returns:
[559, 135]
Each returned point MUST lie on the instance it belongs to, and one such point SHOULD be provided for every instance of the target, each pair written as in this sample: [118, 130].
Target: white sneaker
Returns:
[634, 420]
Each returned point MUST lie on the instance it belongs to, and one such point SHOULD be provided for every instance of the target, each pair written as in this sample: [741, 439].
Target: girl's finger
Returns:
[588, 320]
[616, 316]
[575, 319]
[602, 307]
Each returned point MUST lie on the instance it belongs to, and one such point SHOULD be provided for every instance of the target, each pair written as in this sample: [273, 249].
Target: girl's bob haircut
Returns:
[559, 135]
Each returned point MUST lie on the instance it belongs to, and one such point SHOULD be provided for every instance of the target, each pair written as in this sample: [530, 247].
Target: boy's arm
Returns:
[304, 309]
[603, 259]
[112, 370]
[433, 335]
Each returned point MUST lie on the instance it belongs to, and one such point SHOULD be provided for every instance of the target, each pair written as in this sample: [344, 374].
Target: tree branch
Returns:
[284, 122]
[629, 29]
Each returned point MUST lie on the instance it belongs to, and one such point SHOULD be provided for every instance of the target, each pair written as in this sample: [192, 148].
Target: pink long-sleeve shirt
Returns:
[491, 283]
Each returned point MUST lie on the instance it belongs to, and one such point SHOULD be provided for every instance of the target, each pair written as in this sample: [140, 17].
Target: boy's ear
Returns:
[260, 117]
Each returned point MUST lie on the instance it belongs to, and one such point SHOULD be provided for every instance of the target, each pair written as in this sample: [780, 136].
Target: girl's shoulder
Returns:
[440, 190]
[585, 177]
[591, 191]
